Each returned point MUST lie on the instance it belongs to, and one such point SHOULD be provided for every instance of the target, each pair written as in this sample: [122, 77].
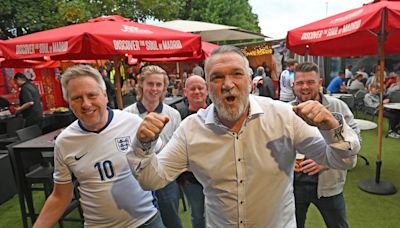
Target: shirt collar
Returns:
[323, 100]
[110, 117]
[143, 109]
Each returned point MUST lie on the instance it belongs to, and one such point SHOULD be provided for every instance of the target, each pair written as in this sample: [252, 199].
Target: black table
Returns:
[43, 143]
[56, 120]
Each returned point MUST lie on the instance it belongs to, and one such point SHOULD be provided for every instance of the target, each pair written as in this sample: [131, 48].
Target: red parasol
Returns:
[351, 33]
[371, 29]
[107, 37]
[102, 38]
[206, 49]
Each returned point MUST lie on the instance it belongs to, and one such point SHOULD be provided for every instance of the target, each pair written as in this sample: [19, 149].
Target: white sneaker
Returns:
[393, 134]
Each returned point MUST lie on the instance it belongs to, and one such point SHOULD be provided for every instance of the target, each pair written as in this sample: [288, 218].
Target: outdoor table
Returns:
[43, 143]
[4, 116]
[337, 95]
[172, 100]
[392, 106]
[365, 124]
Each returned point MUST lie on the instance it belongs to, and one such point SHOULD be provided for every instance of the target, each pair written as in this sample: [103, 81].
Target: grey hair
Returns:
[226, 49]
[77, 71]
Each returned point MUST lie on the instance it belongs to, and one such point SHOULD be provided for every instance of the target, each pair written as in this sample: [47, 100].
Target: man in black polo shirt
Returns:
[29, 101]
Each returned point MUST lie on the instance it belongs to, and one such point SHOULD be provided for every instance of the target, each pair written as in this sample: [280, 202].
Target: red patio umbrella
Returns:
[371, 29]
[107, 37]
[351, 33]
[206, 49]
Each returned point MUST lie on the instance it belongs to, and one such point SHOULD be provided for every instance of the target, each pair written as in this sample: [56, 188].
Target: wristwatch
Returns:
[339, 130]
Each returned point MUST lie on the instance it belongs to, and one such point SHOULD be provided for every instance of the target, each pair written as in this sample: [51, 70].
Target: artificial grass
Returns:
[364, 210]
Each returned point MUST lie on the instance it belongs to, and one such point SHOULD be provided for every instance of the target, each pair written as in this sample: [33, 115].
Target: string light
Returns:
[262, 49]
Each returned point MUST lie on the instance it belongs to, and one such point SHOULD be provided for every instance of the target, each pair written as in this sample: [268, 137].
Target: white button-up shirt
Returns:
[247, 177]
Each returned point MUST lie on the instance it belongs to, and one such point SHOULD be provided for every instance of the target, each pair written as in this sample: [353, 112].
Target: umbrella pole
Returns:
[378, 186]
[177, 70]
[117, 63]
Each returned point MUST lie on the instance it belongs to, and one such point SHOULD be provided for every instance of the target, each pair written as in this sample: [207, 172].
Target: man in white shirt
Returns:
[242, 147]
[357, 83]
[151, 91]
[348, 73]
[286, 82]
[93, 149]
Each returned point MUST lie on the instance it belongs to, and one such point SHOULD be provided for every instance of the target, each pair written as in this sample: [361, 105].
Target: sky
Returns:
[276, 17]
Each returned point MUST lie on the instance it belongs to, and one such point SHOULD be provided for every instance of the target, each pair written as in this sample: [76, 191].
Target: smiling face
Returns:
[306, 86]
[88, 102]
[196, 92]
[229, 85]
[153, 86]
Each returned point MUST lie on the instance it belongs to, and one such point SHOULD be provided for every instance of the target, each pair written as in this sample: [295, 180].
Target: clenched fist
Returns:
[151, 126]
[315, 114]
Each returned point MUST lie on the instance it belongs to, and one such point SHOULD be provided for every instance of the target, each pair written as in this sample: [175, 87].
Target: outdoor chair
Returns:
[35, 174]
[352, 91]
[349, 100]
[359, 100]
[12, 125]
[370, 111]
[394, 97]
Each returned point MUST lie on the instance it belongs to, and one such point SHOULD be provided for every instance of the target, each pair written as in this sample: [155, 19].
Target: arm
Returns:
[55, 205]
[24, 107]
[340, 144]
[269, 86]
[151, 170]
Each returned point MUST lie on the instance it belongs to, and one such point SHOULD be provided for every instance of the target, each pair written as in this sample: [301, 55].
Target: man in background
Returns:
[315, 183]
[196, 93]
[198, 70]
[30, 105]
[151, 91]
[286, 82]
[337, 84]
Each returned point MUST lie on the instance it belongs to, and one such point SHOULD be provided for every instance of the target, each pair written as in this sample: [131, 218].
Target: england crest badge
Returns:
[123, 143]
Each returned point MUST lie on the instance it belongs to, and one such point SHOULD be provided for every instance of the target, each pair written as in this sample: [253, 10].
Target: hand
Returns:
[310, 167]
[151, 126]
[297, 167]
[17, 110]
[315, 114]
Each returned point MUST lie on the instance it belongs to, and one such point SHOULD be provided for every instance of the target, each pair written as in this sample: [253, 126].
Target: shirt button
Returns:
[239, 159]
[241, 221]
[241, 202]
[241, 181]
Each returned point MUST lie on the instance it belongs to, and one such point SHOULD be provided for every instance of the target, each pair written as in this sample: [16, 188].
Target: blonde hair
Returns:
[149, 70]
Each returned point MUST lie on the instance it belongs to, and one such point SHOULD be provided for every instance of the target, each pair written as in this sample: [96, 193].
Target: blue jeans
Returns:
[195, 197]
[168, 202]
[332, 209]
[153, 222]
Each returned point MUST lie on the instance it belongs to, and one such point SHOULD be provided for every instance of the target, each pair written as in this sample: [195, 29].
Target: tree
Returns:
[19, 17]
[238, 13]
